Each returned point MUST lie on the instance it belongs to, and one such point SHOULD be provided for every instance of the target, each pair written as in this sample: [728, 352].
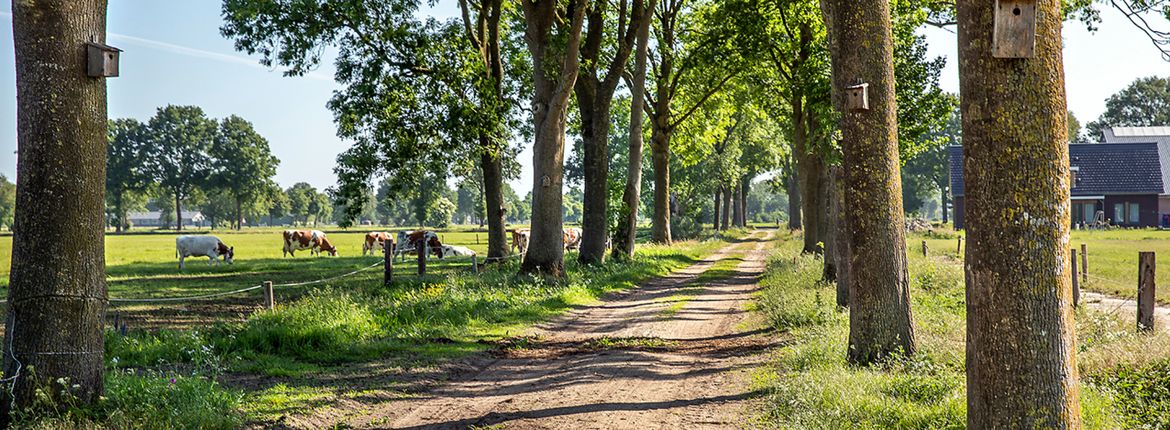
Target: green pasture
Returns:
[1113, 256]
[145, 265]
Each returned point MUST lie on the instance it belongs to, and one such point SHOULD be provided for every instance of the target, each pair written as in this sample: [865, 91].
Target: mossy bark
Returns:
[57, 291]
[1021, 370]
[861, 47]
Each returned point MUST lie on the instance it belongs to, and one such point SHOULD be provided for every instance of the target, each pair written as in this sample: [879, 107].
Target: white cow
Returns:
[203, 246]
[457, 251]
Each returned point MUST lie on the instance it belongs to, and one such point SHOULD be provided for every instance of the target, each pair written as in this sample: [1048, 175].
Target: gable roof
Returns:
[1115, 168]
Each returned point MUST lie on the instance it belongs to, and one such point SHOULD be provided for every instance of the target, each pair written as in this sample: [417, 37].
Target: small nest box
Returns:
[1015, 29]
[102, 60]
[857, 97]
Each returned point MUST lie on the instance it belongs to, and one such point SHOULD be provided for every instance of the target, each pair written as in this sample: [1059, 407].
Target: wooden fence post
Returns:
[1076, 287]
[959, 247]
[924, 248]
[1084, 264]
[1145, 296]
[388, 262]
[475, 263]
[421, 247]
[269, 296]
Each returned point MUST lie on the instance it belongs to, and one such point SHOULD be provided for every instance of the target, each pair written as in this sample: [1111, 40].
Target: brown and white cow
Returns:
[520, 237]
[203, 246]
[408, 242]
[312, 240]
[377, 240]
[572, 237]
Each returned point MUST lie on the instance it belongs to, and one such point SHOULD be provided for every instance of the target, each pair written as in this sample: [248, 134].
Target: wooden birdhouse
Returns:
[1015, 29]
[857, 97]
[102, 60]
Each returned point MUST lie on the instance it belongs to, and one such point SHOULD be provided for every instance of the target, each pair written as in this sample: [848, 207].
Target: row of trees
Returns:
[416, 91]
[181, 153]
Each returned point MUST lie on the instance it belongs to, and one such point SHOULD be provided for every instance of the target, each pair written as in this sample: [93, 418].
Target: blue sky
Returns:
[175, 55]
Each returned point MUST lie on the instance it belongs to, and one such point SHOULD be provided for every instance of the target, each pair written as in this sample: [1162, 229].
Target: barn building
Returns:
[1123, 182]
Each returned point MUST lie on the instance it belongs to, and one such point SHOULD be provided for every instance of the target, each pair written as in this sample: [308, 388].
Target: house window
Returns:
[1072, 177]
[1134, 213]
[1118, 213]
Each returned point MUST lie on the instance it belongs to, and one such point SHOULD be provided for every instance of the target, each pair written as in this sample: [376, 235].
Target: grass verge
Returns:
[810, 385]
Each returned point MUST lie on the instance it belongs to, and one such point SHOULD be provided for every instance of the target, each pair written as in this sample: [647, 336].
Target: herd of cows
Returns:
[406, 242]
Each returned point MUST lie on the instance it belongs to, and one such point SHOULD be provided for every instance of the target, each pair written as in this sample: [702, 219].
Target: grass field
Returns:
[1113, 256]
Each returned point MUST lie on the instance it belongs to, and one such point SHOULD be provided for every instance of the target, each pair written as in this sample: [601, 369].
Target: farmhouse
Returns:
[154, 218]
[1118, 183]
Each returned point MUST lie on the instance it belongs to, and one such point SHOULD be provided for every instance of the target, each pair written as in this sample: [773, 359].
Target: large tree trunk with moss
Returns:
[57, 289]
[550, 102]
[861, 48]
[631, 197]
[1021, 370]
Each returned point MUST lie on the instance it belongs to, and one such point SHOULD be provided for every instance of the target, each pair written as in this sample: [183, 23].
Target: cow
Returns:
[572, 237]
[312, 240]
[203, 246]
[520, 238]
[456, 251]
[408, 242]
[377, 240]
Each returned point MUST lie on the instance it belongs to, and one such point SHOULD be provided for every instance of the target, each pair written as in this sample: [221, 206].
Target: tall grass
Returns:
[810, 385]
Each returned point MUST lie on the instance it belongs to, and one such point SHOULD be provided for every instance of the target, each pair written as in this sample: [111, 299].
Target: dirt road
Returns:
[674, 353]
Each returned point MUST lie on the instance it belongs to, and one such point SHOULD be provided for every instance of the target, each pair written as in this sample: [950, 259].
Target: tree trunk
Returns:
[178, 211]
[1021, 369]
[715, 218]
[792, 187]
[944, 200]
[493, 190]
[57, 289]
[631, 198]
[808, 166]
[829, 263]
[736, 210]
[594, 111]
[744, 187]
[660, 155]
[861, 48]
[550, 101]
[120, 212]
[727, 207]
[841, 239]
[595, 97]
[239, 214]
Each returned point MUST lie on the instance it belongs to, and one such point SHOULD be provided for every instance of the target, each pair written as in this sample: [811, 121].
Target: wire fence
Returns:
[471, 258]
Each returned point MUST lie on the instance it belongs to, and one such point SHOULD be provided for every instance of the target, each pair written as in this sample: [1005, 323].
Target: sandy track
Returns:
[669, 354]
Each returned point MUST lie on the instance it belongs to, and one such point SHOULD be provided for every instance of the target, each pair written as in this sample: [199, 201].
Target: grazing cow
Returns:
[457, 251]
[377, 240]
[520, 238]
[408, 242]
[312, 240]
[572, 236]
[203, 246]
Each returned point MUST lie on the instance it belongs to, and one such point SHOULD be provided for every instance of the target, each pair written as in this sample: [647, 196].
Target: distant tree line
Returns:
[181, 156]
